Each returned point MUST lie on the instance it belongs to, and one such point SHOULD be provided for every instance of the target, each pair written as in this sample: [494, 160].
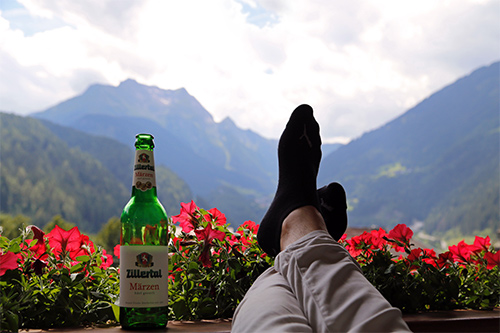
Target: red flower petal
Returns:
[492, 259]
[8, 261]
[401, 233]
[116, 251]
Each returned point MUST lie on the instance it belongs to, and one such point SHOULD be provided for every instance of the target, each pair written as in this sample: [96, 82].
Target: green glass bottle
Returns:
[144, 250]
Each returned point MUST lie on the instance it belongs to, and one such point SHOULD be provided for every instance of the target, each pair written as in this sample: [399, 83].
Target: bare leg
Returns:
[314, 282]
[299, 223]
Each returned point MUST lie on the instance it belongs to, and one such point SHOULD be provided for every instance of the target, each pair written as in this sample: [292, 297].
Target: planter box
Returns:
[436, 321]
[455, 321]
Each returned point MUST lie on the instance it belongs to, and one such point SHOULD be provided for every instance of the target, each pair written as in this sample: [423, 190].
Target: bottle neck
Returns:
[149, 195]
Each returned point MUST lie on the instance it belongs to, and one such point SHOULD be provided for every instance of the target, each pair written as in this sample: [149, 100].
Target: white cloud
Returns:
[358, 63]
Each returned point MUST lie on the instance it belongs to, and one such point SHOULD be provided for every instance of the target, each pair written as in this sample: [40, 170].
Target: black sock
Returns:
[333, 208]
[299, 155]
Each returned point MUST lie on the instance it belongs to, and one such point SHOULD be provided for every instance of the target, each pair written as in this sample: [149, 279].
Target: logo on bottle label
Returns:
[143, 158]
[144, 260]
[141, 285]
[144, 170]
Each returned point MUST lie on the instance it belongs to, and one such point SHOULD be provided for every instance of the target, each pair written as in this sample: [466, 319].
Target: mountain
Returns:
[49, 170]
[219, 161]
[438, 163]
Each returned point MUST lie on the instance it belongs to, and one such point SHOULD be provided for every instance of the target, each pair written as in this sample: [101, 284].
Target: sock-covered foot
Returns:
[299, 155]
[333, 208]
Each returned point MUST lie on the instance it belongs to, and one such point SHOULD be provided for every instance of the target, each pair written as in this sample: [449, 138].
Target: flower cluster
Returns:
[211, 267]
[55, 279]
[413, 279]
[62, 279]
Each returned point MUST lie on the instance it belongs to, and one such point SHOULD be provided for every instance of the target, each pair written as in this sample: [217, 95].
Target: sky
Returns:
[359, 64]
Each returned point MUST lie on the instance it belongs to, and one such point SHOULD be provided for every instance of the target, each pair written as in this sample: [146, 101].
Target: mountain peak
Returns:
[128, 83]
[228, 122]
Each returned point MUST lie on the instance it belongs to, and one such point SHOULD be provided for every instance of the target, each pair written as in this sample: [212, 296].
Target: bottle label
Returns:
[143, 276]
[144, 170]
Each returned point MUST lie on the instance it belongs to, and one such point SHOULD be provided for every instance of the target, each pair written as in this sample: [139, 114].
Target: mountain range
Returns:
[437, 165]
[225, 167]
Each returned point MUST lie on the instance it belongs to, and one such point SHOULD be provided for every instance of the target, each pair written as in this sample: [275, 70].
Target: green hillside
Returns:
[83, 178]
[438, 163]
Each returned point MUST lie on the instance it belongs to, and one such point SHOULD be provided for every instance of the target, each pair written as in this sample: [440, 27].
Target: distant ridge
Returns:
[437, 163]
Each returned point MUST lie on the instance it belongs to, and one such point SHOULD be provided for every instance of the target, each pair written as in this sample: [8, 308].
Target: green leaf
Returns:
[13, 321]
[193, 268]
[180, 309]
[78, 267]
[14, 247]
[116, 312]
[83, 258]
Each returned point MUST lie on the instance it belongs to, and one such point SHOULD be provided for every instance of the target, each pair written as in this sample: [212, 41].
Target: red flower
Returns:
[107, 260]
[205, 256]
[401, 233]
[445, 259]
[429, 256]
[233, 240]
[8, 261]
[377, 238]
[247, 231]
[215, 215]
[39, 249]
[61, 240]
[461, 252]
[38, 266]
[358, 244]
[250, 225]
[208, 235]
[425, 255]
[481, 244]
[37, 233]
[116, 251]
[187, 216]
[414, 254]
[86, 248]
[492, 259]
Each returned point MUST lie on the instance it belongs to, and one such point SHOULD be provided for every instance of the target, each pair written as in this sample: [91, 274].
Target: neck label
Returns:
[144, 170]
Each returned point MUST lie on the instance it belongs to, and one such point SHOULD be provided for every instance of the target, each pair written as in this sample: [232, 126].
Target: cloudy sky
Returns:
[358, 63]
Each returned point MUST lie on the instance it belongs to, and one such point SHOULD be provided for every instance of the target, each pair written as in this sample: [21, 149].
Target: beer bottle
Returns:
[144, 250]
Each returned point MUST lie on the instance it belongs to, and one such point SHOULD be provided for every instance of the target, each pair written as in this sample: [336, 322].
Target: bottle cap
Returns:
[144, 141]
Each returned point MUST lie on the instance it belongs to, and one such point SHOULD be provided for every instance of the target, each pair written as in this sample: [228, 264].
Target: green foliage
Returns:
[464, 277]
[211, 272]
[82, 178]
[437, 163]
[59, 221]
[13, 226]
[43, 284]
[109, 235]
[54, 286]
[392, 170]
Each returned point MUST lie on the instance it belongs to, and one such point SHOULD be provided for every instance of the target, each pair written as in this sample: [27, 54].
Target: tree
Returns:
[109, 235]
[58, 220]
[12, 226]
